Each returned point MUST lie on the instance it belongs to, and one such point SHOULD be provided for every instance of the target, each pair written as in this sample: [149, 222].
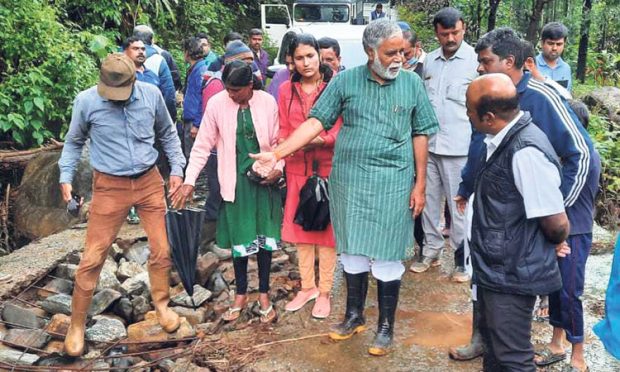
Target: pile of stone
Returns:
[121, 308]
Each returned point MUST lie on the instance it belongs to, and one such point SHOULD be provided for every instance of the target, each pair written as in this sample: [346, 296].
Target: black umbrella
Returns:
[183, 227]
[313, 210]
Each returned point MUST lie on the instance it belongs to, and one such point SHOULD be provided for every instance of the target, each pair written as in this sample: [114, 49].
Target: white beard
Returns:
[384, 72]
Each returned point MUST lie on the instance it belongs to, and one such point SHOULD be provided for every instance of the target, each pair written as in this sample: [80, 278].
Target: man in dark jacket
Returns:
[145, 33]
[518, 219]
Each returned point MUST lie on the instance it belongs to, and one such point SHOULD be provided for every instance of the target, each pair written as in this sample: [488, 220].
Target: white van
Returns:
[342, 20]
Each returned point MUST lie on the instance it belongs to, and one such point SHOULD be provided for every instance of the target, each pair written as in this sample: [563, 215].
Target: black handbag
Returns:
[313, 209]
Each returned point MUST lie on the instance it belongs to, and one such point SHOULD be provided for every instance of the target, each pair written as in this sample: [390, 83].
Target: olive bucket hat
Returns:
[116, 77]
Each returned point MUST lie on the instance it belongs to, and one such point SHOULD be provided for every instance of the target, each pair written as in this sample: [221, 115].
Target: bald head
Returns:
[492, 102]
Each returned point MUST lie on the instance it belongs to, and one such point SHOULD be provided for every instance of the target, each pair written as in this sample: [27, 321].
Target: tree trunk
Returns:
[582, 56]
[493, 5]
[532, 28]
[478, 18]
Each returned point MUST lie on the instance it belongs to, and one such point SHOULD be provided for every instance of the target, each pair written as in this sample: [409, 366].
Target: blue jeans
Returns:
[565, 306]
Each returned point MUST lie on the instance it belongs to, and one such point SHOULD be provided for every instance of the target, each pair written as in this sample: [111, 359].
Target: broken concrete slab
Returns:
[21, 316]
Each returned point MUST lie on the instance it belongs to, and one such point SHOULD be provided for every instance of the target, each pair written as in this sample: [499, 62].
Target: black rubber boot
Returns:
[387, 293]
[354, 321]
[475, 348]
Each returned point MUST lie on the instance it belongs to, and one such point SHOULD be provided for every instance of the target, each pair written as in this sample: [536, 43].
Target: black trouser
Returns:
[459, 255]
[240, 265]
[418, 233]
[506, 325]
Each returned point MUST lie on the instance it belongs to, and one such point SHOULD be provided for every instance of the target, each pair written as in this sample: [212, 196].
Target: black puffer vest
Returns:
[510, 253]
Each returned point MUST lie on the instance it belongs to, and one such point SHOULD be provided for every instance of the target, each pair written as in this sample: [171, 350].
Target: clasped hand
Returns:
[264, 164]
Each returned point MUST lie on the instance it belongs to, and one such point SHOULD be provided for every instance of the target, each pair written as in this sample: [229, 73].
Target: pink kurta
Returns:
[299, 165]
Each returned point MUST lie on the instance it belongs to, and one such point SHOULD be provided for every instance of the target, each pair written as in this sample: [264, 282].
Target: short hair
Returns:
[144, 33]
[448, 18]
[193, 48]
[256, 32]
[503, 42]
[554, 31]
[202, 35]
[231, 36]
[378, 31]
[581, 110]
[130, 40]
[528, 50]
[502, 107]
[413, 39]
[379, 5]
[328, 42]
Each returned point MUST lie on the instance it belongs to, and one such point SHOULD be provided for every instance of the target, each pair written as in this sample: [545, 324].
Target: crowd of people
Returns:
[483, 137]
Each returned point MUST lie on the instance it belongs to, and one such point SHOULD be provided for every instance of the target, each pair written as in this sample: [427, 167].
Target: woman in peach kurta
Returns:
[296, 98]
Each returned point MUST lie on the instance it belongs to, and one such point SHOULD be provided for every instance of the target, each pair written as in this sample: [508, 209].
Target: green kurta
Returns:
[253, 221]
[373, 167]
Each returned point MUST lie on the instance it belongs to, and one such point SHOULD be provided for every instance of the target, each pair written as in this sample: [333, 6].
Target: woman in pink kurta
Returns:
[296, 98]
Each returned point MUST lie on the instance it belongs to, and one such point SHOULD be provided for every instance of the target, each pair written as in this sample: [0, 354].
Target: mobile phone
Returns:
[73, 207]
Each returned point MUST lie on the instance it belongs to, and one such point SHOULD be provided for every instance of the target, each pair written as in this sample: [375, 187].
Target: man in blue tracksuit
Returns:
[502, 51]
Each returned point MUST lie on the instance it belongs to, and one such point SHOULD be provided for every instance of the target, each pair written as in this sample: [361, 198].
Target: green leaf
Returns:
[36, 124]
[28, 107]
[40, 103]
[18, 137]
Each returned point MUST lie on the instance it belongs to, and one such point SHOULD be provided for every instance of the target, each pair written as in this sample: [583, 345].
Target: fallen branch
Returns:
[19, 158]
[289, 340]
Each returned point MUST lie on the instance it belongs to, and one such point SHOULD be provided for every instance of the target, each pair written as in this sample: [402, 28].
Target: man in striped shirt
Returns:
[501, 51]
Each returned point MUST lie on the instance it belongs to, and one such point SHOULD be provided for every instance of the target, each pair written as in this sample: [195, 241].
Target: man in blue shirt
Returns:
[122, 118]
[192, 101]
[549, 61]
[501, 51]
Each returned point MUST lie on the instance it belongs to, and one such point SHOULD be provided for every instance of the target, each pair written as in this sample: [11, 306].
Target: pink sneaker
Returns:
[322, 308]
[302, 298]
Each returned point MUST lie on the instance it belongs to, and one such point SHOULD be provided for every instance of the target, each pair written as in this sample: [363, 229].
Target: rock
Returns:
[229, 276]
[108, 280]
[166, 365]
[137, 285]
[38, 206]
[106, 329]
[110, 265]
[115, 252]
[174, 278]
[607, 99]
[205, 266]
[206, 328]
[55, 346]
[58, 326]
[129, 269]
[280, 259]
[141, 306]
[3, 331]
[27, 338]
[102, 300]
[193, 316]
[56, 286]
[201, 295]
[222, 254]
[217, 284]
[12, 356]
[139, 252]
[57, 304]
[150, 330]
[124, 309]
[21, 316]
[66, 271]
[294, 275]
[207, 236]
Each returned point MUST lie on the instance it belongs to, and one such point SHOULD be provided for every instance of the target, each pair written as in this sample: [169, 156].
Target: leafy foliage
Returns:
[42, 67]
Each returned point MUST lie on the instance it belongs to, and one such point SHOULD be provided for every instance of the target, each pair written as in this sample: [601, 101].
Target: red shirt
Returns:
[292, 114]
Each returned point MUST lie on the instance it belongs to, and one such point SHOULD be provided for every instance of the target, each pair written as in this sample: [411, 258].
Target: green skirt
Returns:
[253, 221]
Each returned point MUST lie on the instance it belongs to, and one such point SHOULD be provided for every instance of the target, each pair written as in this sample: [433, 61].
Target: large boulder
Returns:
[606, 99]
[38, 205]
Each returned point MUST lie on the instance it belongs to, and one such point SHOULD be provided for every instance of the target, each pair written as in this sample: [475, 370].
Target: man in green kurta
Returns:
[387, 120]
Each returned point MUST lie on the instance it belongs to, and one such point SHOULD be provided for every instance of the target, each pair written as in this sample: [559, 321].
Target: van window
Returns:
[321, 13]
[276, 15]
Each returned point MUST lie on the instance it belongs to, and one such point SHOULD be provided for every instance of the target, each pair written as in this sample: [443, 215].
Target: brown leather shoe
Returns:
[160, 287]
[80, 302]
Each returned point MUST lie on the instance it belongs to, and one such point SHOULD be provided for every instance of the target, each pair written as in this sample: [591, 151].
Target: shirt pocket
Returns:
[494, 245]
[455, 91]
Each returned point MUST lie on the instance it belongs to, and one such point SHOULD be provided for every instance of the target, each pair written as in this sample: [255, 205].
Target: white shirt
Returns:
[537, 179]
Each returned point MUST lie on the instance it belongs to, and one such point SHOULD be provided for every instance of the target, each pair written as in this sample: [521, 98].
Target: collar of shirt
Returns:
[459, 53]
[540, 60]
[522, 85]
[493, 140]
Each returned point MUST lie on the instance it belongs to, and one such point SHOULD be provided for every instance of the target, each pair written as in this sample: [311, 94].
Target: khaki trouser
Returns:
[327, 265]
[112, 199]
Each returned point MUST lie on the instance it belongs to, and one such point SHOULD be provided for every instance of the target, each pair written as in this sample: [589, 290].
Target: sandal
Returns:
[233, 313]
[265, 316]
[548, 357]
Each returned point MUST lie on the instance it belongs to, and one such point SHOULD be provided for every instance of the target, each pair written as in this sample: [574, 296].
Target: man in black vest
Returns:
[518, 219]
